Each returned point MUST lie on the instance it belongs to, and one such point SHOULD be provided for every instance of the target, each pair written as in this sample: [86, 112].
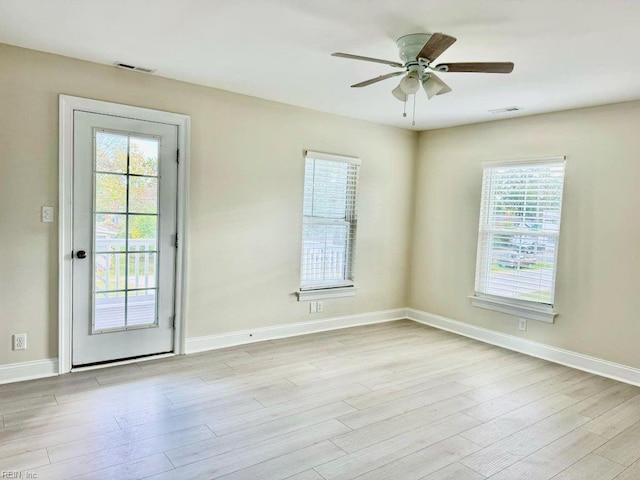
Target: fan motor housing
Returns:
[410, 46]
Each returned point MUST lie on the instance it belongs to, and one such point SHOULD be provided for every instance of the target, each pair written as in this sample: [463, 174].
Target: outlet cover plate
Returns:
[47, 214]
[20, 341]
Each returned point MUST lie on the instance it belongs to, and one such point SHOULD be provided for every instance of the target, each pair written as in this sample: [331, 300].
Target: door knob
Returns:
[81, 254]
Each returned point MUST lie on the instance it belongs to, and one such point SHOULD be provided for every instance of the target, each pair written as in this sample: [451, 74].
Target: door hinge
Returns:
[176, 240]
[174, 321]
[178, 155]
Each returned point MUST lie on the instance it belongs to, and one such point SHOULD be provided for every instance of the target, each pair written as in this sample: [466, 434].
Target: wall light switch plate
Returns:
[320, 307]
[313, 307]
[522, 324]
[47, 214]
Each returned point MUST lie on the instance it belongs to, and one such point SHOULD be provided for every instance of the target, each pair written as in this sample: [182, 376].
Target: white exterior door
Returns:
[124, 238]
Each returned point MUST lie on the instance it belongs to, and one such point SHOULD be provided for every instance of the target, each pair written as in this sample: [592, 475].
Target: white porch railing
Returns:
[321, 264]
[111, 274]
[110, 267]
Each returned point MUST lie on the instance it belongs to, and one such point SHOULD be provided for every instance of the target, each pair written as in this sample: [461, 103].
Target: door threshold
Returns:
[115, 363]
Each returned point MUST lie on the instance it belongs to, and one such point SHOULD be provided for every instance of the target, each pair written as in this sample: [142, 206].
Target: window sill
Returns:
[532, 312]
[322, 293]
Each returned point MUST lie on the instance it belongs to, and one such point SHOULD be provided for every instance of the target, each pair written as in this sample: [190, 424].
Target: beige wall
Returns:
[245, 213]
[245, 193]
[598, 281]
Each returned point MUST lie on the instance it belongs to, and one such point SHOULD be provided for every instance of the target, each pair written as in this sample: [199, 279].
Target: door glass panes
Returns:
[143, 159]
[109, 310]
[141, 305]
[143, 194]
[142, 232]
[109, 231]
[111, 192]
[125, 231]
[142, 270]
[111, 152]
[109, 272]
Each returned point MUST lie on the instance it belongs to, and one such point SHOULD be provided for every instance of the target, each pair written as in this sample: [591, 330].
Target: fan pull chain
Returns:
[404, 111]
[413, 122]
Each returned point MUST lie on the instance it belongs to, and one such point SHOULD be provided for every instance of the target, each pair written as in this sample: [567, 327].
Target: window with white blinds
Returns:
[329, 221]
[519, 229]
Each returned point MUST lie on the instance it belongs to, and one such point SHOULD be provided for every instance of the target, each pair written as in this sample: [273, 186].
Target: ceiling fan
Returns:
[418, 52]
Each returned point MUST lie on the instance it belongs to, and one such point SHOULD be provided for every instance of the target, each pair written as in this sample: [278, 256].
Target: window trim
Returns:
[332, 157]
[521, 308]
[326, 292]
[526, 161]
[345, 288]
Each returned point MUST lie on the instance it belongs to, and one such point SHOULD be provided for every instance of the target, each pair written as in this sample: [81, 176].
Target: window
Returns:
[518, 237]
[329, 224]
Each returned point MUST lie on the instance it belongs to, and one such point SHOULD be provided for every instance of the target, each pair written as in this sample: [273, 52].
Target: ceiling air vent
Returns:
[127, 66]
[505, 110]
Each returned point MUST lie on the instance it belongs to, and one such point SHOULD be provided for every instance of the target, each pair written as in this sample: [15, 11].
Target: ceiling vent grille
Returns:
[127, 66]
[505, 110]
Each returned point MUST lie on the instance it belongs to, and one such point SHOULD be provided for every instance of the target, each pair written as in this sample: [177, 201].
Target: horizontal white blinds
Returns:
[519, 228]
[329, 222]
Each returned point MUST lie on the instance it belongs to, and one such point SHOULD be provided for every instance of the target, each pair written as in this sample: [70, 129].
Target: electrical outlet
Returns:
[313, 307]
[522, 324]
[47, 214]
[320, 307]
[20, 341]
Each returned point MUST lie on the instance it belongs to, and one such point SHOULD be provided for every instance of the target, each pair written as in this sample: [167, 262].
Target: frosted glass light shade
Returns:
[409, 85]
[399, 94]
[435, 86]
[432, 87]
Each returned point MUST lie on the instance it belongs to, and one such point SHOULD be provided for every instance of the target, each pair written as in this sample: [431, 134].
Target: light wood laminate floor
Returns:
[391, 401]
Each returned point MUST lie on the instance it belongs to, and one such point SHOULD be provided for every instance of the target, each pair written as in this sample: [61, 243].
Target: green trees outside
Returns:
[113, 184]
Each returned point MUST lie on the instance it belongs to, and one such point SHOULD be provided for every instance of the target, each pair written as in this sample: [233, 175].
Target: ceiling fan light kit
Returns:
[432, 87]
[417, 52]
[399, 94]
[410, 83]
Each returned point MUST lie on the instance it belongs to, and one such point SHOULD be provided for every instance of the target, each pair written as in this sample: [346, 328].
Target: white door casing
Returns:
[121, 119]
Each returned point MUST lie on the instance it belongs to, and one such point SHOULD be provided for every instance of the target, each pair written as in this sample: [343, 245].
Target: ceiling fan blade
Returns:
[494, 67]
[367, 59]
[377, 79]
[445, 88]
[435, 46]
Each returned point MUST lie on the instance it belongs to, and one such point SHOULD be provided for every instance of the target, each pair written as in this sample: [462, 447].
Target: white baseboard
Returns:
[49, 367]
[589, 364]
[213, 342]
[16, 372]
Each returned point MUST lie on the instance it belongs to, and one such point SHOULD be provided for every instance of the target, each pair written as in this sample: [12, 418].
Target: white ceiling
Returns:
[568, 53]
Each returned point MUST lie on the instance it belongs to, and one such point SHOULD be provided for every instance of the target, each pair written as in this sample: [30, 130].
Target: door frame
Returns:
[67, 105]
